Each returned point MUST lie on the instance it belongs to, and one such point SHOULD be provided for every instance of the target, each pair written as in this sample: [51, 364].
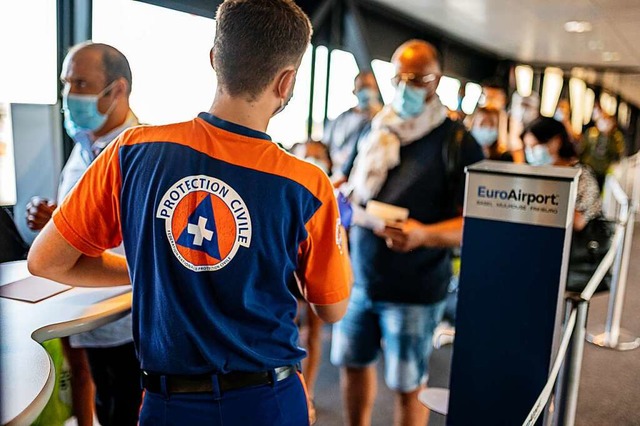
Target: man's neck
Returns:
[112, 123]
[240, 111]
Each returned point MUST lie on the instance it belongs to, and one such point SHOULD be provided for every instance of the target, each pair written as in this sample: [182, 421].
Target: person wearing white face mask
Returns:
[484, 129]
[547, 144]
[602, 145]
[96, 87]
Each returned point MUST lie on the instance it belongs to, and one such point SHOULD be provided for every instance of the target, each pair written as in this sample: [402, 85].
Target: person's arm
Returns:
[337, 281]
[588, 202]
[71, 247]
[324, 270]
[415, 234]
[52, 257]
[579, 221]
[331, 313]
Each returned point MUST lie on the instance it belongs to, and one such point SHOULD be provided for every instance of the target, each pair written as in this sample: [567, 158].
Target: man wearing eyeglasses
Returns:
[401, 274]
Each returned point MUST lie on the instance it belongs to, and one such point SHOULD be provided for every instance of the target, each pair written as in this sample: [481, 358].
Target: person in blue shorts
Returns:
[401, 275]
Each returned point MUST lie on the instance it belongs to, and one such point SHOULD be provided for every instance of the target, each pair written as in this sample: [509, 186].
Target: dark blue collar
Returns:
[233, 127]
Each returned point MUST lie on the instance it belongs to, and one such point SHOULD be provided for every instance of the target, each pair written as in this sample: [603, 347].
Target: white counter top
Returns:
[26, 371]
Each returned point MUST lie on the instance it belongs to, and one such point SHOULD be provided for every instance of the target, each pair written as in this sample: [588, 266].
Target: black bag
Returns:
[588, 248]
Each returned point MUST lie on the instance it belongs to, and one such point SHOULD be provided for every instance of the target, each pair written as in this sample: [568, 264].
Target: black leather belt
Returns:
[204, 382]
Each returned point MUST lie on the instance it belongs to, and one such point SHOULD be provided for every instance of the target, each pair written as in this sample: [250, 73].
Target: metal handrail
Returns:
[605, 264]
[618, 192]
[626, 214]
[586, 295]
[612, 335]
[542, 400]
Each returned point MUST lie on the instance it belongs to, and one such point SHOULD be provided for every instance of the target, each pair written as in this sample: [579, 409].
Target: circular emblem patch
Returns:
[206, 221]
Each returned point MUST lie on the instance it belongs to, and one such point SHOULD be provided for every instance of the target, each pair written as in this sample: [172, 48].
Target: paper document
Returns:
[32, 289]
[377, 215]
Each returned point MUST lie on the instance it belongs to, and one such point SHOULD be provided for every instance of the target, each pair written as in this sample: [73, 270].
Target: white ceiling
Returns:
[532, 31]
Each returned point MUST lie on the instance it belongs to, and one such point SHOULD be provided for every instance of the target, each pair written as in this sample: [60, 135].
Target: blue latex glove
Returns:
[345, 209]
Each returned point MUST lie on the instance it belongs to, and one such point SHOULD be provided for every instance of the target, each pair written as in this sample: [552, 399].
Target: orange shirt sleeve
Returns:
[324, 266]
[89, 216]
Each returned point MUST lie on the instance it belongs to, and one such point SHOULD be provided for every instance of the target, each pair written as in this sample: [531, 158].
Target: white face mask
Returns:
[485, 136]
[538, 155]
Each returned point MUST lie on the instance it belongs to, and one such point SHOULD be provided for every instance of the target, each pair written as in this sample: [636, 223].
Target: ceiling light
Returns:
[524, 80]
[589, 100]
[551, 88]
[577, 90]
[577, 26]
[610, 56]
[608, 103]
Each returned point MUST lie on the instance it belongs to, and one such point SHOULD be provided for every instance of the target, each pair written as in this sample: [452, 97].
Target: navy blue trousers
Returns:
[281, 404]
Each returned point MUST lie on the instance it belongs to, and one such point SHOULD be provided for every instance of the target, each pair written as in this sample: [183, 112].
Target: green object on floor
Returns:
[59, 407]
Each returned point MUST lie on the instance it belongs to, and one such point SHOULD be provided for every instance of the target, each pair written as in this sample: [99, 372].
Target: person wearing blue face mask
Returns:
[484, 129]
[342, 133]
[402, 273]
[547, 143]
[96, 82]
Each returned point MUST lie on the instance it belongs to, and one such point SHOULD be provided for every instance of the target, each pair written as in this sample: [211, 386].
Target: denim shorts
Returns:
[402, 331]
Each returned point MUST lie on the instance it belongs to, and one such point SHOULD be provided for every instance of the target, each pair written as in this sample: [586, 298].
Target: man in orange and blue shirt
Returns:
[216, 220]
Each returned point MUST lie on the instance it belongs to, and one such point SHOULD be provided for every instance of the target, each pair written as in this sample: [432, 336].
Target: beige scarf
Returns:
[379, 151]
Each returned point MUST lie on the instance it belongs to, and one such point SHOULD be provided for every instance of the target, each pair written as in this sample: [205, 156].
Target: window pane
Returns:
[343, 71]
[169, 56]
[448, 91]
[319, 88]
[33, 77]
[472, 92]
[290, 126]
[7, 163]
[384, 72]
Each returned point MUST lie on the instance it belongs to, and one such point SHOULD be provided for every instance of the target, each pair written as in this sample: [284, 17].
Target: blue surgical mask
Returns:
[81, 112]
[409, 101]
[538, 156]
[366, 97]
[485, 136]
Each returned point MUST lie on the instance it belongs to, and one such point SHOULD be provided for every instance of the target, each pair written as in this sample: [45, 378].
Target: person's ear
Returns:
[212, 55]
[120, 88]
[285, 83]
[436, 82]
[433, 86]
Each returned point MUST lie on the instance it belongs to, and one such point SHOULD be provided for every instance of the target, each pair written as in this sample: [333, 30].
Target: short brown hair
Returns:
[254, 40]
[115, 65]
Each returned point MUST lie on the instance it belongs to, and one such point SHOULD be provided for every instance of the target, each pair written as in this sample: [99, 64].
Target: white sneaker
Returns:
[444, 334]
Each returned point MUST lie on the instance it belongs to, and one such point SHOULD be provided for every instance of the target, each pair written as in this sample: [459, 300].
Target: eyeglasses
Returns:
[413, 79]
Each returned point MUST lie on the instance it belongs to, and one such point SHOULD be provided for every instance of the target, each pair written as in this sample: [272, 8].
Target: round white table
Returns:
[26, 370]
[435, 399]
